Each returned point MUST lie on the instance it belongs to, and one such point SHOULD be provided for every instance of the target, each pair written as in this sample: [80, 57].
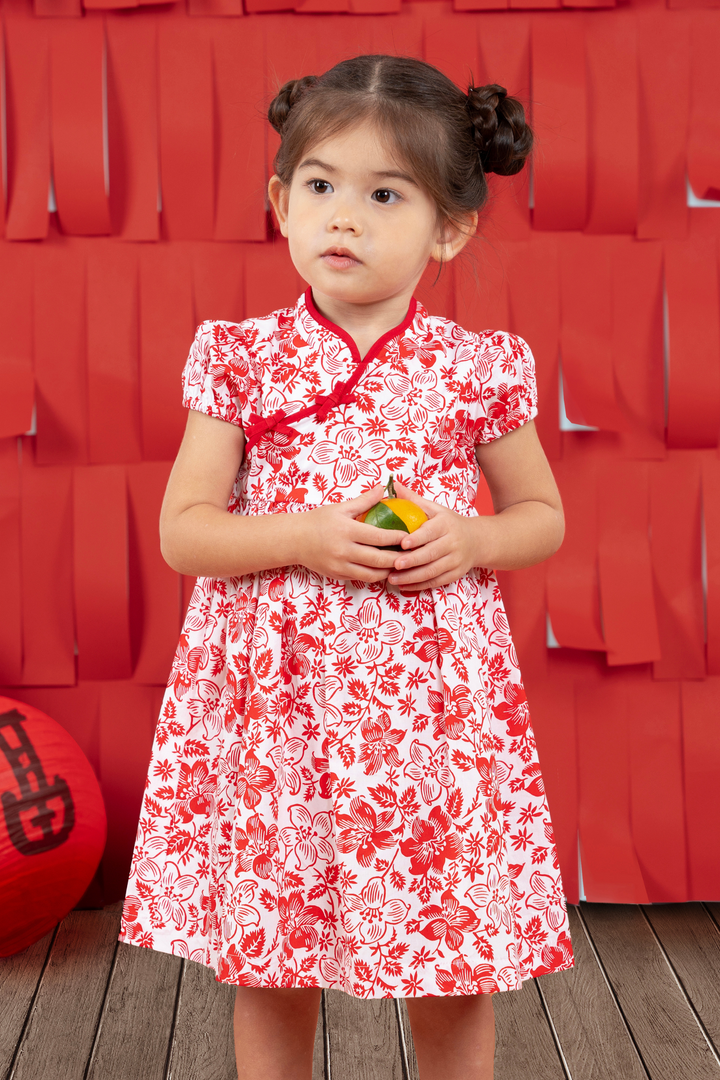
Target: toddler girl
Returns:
[344, 789]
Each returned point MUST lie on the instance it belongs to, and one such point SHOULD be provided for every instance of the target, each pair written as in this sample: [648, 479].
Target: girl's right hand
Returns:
[332, 543]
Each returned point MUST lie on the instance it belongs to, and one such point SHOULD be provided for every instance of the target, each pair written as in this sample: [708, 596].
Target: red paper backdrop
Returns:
[151, 123]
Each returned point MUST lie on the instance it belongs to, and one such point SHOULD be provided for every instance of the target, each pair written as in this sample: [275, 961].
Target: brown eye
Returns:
[385, 196]
[320, 187]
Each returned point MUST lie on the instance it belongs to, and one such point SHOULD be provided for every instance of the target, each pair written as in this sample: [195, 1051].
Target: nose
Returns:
[344, 219]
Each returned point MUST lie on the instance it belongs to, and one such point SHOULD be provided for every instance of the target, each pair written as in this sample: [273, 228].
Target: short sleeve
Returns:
[217, 379]
[507, 391]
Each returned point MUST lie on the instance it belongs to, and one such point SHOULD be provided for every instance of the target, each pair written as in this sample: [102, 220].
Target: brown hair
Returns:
[448, 139]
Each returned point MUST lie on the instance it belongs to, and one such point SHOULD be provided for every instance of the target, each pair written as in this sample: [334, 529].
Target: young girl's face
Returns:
[360, 229]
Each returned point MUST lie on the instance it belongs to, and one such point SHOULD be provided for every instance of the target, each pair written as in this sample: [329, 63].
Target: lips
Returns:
[340, 258]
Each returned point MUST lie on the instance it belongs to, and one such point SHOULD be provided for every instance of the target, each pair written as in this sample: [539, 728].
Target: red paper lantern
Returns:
[52, 828]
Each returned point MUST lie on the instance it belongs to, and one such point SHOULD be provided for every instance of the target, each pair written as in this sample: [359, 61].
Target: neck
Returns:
[365, 323]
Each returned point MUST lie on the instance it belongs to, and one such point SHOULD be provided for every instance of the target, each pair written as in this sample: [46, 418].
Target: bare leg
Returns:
[454, 1037]
[275, 1032]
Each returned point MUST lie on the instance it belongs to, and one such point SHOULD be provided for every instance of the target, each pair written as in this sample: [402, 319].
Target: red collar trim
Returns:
[343, 334]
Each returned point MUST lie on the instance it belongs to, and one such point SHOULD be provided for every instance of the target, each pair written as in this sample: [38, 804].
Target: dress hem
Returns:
[327, 986]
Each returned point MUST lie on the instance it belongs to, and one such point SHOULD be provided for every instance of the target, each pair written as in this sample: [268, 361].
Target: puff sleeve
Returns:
[506, 386]
[218, 378]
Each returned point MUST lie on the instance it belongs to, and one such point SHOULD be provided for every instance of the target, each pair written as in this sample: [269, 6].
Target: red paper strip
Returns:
[18, 396]
[271, 280]
[664, 63]
[691, 279]
[60, 366]
[47, 588]
[133, 127]
[535, 315]
[675, 546]
[101, 560]
[215, 7]
[154, 586]
[523, 593]
[58, 8]
[450, 44]
[76, 89]
[701, 760]
[3, 147]
[397, 35]
[613, 146]
[11, 622]
[704, 129]
[637, 347]
[322, 6]
[241, 130]
[112, 354]
[611, 871]
[480, 296]
[586, 332]
[504, 42]
[656, 786]
[552, 711]
[436, 290]
[126, 737]
[480, 5]
[626, 583]
[524, 5]
[559, 96]
[16, 375]
[186, 129]
[166, 333]
[375, 7]
[28, 128]
[711, 520]
[572, 573]
[219, 282]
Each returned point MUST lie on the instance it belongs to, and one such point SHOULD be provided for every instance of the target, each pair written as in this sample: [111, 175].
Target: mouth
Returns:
[340, 258]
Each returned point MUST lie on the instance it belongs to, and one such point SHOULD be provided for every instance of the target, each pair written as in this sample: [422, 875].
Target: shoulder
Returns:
[487, 351]
[223, 334]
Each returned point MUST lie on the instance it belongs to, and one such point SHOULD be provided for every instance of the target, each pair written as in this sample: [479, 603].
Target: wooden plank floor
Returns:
[641, 1003]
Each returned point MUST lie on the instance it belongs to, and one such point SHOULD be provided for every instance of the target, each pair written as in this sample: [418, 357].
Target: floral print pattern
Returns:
[344, 788]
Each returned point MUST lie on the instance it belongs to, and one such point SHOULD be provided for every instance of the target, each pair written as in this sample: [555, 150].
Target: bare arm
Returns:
[528, 525]
[199, 536]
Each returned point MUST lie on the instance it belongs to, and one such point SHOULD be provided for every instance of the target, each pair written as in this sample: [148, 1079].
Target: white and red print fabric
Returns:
[344, 789]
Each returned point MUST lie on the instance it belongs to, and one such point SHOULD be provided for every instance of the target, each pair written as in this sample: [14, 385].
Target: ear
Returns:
[453, 237]
[279, 195]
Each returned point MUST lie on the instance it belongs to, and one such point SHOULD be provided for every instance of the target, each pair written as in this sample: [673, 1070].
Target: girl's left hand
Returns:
[444, 548]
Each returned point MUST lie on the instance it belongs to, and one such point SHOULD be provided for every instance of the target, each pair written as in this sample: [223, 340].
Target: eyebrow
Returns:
[392, 174]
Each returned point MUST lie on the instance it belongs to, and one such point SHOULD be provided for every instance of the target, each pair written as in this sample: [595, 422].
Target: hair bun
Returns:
[287, 96]
[503, 136]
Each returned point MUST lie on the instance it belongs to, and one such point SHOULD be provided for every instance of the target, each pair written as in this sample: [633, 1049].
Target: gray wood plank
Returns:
[668, 1038]
[136, 1022]
[524, 1046]
[203, 1044]
[19, 978]
[363, 1037]
[62, 1024]
[590, 1028]
[692, 941]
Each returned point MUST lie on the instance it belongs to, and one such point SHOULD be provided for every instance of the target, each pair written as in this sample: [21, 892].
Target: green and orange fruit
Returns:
[393, 513]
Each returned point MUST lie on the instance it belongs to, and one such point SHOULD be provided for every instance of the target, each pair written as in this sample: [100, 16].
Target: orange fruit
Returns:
[394, 513]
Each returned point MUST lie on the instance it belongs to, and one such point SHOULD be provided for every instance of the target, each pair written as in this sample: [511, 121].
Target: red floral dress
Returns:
[344, 789]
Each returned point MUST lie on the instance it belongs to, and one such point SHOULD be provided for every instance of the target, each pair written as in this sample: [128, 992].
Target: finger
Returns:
[421, 556]
[373, 556]
[430, 508]
[430, 530]
[371, 534]
[407, 578]
[362, 502]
